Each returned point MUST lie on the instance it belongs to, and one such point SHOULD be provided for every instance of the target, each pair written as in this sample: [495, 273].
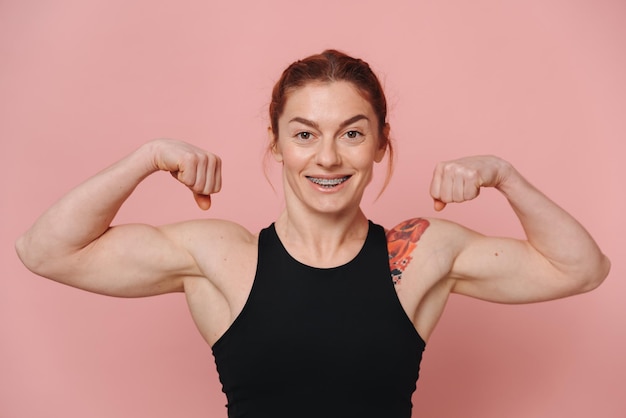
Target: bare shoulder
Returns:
[208, 233]
[212, 242]
[426, 235]
[413, 228]
[434, 231]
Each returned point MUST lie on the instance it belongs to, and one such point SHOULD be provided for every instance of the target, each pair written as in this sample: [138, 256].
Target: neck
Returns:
[323, 240]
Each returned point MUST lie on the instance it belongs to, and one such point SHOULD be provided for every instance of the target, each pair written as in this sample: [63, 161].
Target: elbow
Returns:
[27, 255]
[595, 274]
[21, 248]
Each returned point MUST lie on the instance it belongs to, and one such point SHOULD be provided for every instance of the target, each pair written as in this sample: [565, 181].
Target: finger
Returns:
[439, 205]
[217, 174]
[471, 188]
[199, 185]
[209, 176]
[185, 177]
[435, 184]
[457, 189]
[446, 188]
[202, 200]
[186, 172]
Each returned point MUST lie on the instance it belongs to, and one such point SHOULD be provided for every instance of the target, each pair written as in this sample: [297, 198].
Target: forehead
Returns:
[327, 101]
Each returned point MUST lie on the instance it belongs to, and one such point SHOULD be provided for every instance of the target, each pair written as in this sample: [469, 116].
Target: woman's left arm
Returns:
[558, 258]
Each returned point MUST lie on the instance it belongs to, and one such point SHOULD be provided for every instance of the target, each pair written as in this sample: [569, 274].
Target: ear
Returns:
[273, 140]
[380, 152]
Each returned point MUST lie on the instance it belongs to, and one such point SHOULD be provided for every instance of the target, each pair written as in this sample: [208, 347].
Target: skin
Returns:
[327, 131]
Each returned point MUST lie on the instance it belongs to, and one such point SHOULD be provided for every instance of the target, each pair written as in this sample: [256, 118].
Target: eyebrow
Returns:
[343, 124]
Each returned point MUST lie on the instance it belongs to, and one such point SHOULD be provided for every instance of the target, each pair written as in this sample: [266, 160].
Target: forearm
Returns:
[554, 233]
[85, 213]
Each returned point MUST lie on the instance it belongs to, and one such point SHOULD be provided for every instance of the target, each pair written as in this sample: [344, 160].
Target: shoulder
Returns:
[222, 250]
[210, 237]
[209, 229]
[431, 229]
[411, 229]
[431, 236]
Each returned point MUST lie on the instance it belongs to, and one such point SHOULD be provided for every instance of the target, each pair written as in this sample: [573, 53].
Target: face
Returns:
[328, 143]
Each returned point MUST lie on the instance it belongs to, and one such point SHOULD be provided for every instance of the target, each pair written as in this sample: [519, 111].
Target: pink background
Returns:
[82, 83]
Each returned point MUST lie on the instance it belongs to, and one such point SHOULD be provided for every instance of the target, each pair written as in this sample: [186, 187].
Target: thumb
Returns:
[203, 200]
[439, 205]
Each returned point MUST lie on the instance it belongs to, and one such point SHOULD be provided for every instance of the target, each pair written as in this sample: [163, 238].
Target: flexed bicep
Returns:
[132, 260]
[73, 242]
[556, 258]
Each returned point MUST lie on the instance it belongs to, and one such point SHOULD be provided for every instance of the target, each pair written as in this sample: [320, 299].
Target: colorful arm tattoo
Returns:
[401, 241]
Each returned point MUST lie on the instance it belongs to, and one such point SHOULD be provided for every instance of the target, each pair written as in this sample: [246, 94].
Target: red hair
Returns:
[330, 66]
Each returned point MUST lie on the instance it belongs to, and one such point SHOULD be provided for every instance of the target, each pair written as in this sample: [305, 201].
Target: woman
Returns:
[323, 313]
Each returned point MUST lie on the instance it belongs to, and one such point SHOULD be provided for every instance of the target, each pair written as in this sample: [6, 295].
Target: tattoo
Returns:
[401, 241]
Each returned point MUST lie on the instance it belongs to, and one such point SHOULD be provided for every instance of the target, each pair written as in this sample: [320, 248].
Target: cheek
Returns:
[291, 157]
[364, 159]
[285, 154]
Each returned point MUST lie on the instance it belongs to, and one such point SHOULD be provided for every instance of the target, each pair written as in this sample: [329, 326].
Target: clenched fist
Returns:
[196, 168]
[460, 180]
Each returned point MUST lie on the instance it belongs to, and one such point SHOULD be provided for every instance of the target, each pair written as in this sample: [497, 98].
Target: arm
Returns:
[74, 243]
[558, 258]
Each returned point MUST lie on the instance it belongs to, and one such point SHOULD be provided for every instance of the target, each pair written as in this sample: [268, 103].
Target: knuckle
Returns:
[471, 173]
[202, 159]
[449, 168]
[189, 160]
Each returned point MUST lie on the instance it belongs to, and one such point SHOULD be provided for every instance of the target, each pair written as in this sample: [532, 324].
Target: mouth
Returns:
[328, 183]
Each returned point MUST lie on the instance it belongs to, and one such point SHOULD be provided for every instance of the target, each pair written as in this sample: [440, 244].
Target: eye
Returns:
[353, 134]
[304, 136]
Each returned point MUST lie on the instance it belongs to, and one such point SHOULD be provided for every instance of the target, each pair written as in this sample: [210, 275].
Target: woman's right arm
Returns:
[74, 243]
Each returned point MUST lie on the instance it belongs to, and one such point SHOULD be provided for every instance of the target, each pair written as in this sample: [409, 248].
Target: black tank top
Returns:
[320, 342]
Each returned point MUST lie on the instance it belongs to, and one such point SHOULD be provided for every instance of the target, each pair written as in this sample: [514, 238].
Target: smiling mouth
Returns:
[328, 183]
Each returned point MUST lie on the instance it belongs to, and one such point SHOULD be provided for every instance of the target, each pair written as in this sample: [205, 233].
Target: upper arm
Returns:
[503, 270]
[134, 260]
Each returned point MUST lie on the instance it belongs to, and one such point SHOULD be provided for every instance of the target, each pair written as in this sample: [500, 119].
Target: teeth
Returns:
[328, 182]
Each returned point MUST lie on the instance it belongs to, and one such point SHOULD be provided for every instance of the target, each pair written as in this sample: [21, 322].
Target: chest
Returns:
[319, 327]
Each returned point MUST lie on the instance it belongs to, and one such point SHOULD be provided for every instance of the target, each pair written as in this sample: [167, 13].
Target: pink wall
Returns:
[84, 82]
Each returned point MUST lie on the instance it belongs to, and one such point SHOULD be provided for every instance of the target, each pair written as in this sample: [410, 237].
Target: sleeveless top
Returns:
[320, 342]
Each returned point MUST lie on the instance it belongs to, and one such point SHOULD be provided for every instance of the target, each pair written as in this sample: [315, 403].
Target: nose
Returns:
[327, 154]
